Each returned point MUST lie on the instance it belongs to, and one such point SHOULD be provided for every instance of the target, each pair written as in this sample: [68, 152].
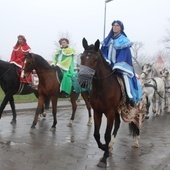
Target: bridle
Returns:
[32, 66]
[97, 54]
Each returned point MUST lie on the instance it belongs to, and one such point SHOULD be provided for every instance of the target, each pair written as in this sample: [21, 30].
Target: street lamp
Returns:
[106, 1]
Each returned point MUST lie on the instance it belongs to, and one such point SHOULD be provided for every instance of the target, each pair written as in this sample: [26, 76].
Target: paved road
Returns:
[75, 148]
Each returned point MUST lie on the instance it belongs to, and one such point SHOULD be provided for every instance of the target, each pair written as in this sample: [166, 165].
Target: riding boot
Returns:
[60, 74]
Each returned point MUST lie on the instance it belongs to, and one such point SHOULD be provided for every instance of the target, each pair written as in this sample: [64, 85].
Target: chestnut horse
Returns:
[49, 87]
[105, 97]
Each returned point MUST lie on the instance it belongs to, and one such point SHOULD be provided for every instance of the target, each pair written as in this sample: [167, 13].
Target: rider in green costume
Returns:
[64, 58]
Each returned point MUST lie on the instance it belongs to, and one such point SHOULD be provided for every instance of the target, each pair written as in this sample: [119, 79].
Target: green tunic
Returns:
[64, 58]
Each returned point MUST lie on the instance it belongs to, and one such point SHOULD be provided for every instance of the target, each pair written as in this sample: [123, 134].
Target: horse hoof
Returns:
[165, 107]
[110, 148]
[156, 115]
[44, 114]
[39, 118]
[102, 165]
[70, 123]
[13, 122]
[33, 127]
[89, 124]
[52, 129]
[146, 117]
[32, 130]
[135, 145]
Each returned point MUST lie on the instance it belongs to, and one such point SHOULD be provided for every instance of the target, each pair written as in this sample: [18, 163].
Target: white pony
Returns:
[165, 74]
[154, 88]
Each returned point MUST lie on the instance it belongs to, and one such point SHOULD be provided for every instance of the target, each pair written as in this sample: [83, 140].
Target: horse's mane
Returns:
[41, 61]
[5, 64]
[155, 71]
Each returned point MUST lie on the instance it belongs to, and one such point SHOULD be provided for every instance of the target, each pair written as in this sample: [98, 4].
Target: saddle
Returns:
[24, 82]
[125, 97]
[129, 113]
[59, 72]
[59, 75]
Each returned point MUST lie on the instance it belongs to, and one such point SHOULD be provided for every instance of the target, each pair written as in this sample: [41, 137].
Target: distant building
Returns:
[159, 63]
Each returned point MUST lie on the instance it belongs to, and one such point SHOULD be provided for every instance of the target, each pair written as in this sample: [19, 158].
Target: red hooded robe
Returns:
[17, 56]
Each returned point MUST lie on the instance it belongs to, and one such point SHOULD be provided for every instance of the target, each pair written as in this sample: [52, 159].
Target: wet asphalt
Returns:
[74, 148]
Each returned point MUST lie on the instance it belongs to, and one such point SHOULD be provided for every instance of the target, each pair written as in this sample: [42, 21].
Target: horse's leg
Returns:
[12, 104]
[54, 100]
[110, 120]
[116, 128]
[168, 101]
[38, 111]
[4, 102]
[47, 100]
[147, 107]
[85, 96]
[73, 99]
[134, 130]
[46, 106]
[160, 101]
[154, 104]
[165, 101]
[97, 124]
[47, 103]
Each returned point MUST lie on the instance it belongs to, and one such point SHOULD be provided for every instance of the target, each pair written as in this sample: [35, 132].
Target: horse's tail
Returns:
[133, 129]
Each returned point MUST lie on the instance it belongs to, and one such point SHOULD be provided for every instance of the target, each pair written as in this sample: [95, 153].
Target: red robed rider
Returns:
[17, 57]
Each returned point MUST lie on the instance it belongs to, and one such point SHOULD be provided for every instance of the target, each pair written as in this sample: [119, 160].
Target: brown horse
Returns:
[49, 88]
[105, 97]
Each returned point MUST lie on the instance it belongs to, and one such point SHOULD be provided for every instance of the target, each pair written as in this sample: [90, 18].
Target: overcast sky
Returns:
[43, 22]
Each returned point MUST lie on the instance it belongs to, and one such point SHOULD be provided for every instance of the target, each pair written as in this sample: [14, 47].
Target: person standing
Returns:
[64, 59]
[116, 50]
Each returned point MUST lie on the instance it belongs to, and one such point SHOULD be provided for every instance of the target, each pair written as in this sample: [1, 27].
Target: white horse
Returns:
[154, 87]
[165, 74]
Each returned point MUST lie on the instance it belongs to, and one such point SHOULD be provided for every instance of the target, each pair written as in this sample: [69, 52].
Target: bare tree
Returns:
[166, 39]
[165, 53]
[137, 55]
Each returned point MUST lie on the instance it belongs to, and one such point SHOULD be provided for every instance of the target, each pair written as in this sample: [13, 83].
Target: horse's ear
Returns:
[85, 43]
[97, 45]
[28, 55]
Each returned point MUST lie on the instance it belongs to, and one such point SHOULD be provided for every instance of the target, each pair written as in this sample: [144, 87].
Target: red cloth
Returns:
[17, 56]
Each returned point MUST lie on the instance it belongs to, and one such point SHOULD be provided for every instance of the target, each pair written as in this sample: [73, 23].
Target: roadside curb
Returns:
[21, 107]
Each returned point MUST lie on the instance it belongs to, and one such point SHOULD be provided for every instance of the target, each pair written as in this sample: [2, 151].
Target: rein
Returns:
[5, 73]
[155, 87]
[103, 77]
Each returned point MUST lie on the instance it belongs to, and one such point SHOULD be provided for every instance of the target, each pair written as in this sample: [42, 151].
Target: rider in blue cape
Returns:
[116, 50]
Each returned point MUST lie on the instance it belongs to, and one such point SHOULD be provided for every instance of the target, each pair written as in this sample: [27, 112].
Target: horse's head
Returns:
[90, 55]
[146, 71]
[164, 73]
[89, 59]
[29, 64]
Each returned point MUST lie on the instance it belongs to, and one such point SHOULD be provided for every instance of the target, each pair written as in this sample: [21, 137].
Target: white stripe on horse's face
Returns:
[146, 71]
